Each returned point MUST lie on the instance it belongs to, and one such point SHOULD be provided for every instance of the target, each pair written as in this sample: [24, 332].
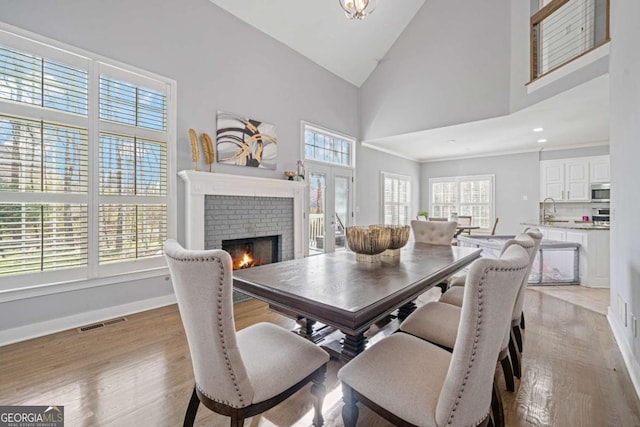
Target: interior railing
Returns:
[564, 30]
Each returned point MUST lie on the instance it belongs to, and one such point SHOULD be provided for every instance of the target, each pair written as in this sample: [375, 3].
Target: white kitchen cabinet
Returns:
[565, 180]
[552, 180]
[600, 169]
[593, 253]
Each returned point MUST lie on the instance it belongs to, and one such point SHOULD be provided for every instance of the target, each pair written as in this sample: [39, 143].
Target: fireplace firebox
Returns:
[253, 251]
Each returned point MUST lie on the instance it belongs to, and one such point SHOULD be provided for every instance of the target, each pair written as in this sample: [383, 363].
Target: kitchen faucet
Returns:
[545, 216]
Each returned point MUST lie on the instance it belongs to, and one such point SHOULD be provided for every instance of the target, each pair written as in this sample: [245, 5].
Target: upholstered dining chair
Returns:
[455, 293]
[437, 321]
[410, 381]
[237, 374]
[433, 232]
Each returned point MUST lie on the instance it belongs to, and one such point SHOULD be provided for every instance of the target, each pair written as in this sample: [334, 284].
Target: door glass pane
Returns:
[317, 203]
[342, 210]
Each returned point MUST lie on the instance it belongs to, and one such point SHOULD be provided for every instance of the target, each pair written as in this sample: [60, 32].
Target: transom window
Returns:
[396, 199]
[84, 192]
[325, 146]
[466, 195]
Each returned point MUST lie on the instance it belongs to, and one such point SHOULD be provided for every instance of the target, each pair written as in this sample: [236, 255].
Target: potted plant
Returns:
[423, 215]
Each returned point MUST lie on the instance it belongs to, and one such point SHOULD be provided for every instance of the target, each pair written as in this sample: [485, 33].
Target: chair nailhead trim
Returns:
[225, 352]
[476, 340]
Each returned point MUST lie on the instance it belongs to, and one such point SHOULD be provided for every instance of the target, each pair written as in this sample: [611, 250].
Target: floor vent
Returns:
[93, 326]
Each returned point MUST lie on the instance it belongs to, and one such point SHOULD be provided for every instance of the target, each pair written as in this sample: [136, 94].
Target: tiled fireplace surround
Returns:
[222, 206]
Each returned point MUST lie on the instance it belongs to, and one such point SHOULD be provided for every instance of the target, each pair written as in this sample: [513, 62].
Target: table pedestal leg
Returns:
[352, 345]
[405, 310]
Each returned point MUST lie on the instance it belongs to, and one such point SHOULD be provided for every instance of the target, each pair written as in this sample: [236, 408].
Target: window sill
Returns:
[15, 294]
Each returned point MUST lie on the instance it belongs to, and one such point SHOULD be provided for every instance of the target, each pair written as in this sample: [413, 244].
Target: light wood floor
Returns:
[594, 299]
[138, 373]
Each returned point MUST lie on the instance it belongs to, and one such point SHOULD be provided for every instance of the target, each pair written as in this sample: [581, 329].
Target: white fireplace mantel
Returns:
[200, 184]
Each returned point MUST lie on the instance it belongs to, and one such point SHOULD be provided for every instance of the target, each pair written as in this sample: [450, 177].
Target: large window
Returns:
[396, 199]
[325, 146]
[466, 195]
[84, 162]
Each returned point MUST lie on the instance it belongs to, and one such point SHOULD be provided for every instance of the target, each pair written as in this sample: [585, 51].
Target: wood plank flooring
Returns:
[138, 373]
[594, 299]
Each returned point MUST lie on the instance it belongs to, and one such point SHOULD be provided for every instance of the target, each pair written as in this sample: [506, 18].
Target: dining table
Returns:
[462, 228]
[338, 292]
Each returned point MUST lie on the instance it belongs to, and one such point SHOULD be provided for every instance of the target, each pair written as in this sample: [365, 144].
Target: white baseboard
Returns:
[34, 330]
[627, 354]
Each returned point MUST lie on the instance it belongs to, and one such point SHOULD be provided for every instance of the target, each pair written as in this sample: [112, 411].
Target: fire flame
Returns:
[246, 261]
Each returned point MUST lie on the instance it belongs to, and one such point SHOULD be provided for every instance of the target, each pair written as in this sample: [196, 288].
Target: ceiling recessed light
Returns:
[541, 141]
[538, 129]
[451, 141]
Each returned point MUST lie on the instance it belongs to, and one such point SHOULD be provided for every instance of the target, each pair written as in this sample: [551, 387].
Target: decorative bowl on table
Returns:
[399, 238]
[368, 242]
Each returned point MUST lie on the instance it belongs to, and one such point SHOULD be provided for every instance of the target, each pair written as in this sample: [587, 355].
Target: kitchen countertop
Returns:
[572, 225]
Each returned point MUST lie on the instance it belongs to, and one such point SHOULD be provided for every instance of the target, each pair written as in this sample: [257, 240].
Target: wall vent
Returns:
[98, 325]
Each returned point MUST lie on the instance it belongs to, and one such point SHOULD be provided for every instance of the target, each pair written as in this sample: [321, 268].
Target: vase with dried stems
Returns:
[368, 242]
[399, 238]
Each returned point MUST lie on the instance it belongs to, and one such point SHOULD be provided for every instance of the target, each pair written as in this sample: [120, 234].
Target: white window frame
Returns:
[460, 179]
[304, 125]
[390, 175]
[43, 283]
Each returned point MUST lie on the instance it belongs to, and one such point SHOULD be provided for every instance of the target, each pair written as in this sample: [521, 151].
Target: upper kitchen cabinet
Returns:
[569, 180]
[600, 169]
[565, 180]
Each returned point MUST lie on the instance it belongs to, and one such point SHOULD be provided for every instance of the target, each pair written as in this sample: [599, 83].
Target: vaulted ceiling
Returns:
[320, 31]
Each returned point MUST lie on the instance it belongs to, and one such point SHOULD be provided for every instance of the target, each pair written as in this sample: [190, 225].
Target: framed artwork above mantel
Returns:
[243, 141]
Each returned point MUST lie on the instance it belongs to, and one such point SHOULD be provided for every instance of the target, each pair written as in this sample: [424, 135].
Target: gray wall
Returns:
[516, 175]
[369, 164]
[219, 63]
[599, 150]
[450, 65]
[625, 173]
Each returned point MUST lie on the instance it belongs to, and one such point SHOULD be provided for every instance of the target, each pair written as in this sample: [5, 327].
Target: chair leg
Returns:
[518, 337]
[508, 373]
[522, 321]
[515, 358]
[192, 409]
[318, 390]
[236, 422]
[496, 407]
[349, 409]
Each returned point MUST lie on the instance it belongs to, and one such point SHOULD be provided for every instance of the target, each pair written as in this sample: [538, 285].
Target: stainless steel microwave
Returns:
[600, 192]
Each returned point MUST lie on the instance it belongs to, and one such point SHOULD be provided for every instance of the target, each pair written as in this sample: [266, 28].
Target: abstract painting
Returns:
[246, 142]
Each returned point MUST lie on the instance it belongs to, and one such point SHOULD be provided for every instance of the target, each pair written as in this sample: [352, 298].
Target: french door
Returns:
[330, 206]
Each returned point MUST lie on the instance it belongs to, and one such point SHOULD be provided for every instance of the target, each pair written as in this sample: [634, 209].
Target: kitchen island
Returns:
[556, 263]
[594, 247]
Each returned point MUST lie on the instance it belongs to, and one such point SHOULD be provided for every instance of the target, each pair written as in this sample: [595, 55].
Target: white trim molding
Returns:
[35, 330]
[201, 184]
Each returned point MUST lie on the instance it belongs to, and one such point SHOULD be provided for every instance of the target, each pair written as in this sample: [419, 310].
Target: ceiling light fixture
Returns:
[538, 129]
[357, 9]
[541, 141]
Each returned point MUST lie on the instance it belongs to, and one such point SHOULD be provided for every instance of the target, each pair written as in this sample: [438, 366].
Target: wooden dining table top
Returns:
[337, 290]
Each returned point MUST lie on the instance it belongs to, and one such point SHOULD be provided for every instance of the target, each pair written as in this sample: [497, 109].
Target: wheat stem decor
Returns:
[195, 152]
[207, 149]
